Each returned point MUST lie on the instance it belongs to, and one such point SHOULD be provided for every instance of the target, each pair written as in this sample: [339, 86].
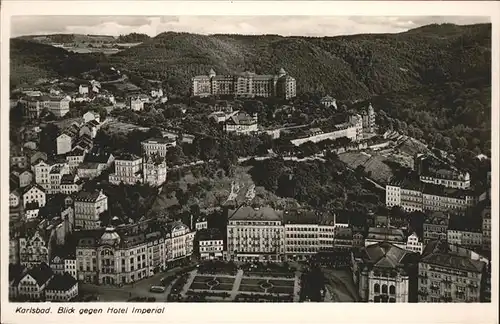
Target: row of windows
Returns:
[392, 289]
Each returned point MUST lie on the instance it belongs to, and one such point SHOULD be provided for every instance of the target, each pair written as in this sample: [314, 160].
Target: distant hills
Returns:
[348, 67]
[85, 39]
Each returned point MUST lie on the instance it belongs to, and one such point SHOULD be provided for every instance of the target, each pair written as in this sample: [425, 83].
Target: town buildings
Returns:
[368, 119]
[42, 173]
[16, 209]
[64, 143]
[255, 234]
[136, 104]
[328, 102]
[385, 273]
[128, 169]
[465, 231]
[157, 93]
[448, 276]
[130, 253]
[210, 244]
[34, 194]
[435, 227]
[157, 146]
[22, 178]
[88, 207]
[75, 157]
[154, 170]
[90, 116]
[414, 243]
[59, 106]
[55, 177]
[486, 226]
[348, 130]
[307, 232]
[246, 84]
[62, 288]
[33, 283]
[431, 170]
[33, 247]
[393, 236]
[64, 263]
[412, 195]
[241, 123]
[70, 183]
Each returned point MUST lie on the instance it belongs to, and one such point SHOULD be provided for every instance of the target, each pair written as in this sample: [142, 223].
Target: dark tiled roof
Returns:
[16, 273]
[465, 223]
[385, 255]
[437, 218]
[62, 282]
[76, 152]
[241, 119]
[68, 179]
[85, 196]
[210, 234]
[436, 190]
[450, 260]
[127, 157]
[56, 169]
[88, 165]
[41, 273]
[97, 156]
[300, 216]
[34, 185]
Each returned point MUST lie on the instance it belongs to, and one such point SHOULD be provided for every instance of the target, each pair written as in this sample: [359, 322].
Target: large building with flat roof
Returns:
[411, 194]
[246, 84]
[255, 234]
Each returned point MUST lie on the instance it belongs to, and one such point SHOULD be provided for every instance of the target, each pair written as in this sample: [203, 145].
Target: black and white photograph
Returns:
[248, 159]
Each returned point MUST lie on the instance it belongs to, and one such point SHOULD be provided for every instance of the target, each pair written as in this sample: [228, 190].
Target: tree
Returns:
[48, 137]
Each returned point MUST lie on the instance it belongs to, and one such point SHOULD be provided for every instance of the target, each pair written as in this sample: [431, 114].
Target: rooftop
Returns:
[300, 216]
[164, 140]
[62, 282]
[251, 214]
[56, 169]
[31, 186]
[210, 234]
[385, 255]
[41, 273]
[241, 118]
[465, 223]
[127, 157]
[88, 165]
[436, 190]
[85, 196]
[68, 179]
[409, 181]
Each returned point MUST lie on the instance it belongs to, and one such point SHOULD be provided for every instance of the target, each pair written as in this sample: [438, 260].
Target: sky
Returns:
[248, 25]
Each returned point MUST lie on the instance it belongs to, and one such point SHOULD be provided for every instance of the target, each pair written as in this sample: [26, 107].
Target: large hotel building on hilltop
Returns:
[246, 84]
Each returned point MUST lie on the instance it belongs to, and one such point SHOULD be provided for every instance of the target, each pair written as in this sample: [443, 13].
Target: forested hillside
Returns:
[432, 82]
[31, 61]
[350, 67]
